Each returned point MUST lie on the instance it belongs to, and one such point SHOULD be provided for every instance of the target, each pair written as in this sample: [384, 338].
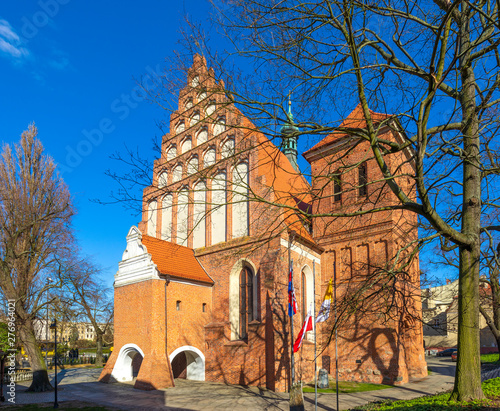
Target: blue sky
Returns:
[69, 66]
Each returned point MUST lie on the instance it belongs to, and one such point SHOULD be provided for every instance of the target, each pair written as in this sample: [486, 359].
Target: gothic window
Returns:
[202, 136]
[218, 211]
[195, 81]
[337, 187]
[246, 301]
[362, 180]
[189, 104]
[199, 210]
[192, 166]
[171, 152]
[209, 158]
[182, 217]
[162, 179]
[151, 218]
[202, 95]
[220, 126]
[240, 200]
[211, 108]
[186, 145]
[303, 289]
[227, 149]
[180, 128]
[177, 173]
[166, 218]
[195, 119]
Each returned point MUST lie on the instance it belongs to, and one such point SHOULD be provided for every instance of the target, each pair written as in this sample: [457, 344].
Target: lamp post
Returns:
[53, 326]
[49, 280]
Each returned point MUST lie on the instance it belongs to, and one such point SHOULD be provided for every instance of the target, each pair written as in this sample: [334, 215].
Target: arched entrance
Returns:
[188, 362]
[128, 363]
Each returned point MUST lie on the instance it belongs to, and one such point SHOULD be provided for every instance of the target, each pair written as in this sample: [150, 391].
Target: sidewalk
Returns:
[82, 385]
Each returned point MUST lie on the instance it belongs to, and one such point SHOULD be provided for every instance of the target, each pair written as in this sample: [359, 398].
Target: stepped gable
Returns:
[355, 120]
[175, 260]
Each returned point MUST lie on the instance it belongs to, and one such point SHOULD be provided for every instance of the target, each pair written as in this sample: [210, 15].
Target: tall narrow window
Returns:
[199, 209]
[337, 187]
[246, 301]
[182, 217]
[362, 179]
[303, 290]
[166, 218]
[202, 136]
[218, 213]
[152, 207]
[171, 152]
[162, 179]
[240, 200]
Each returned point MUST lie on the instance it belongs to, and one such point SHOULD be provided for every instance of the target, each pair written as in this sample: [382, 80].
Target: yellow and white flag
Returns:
[324, 311]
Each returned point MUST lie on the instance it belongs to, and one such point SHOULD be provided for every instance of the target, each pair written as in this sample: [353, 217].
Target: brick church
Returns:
[202, 288]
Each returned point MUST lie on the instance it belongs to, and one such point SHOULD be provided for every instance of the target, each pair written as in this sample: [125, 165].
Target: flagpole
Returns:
[314, 324]
[336, 327]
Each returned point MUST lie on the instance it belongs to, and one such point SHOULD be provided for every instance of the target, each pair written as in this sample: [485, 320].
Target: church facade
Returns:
[202, 289]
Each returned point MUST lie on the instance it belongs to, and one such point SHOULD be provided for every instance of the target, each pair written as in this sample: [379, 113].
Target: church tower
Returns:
[289, 136]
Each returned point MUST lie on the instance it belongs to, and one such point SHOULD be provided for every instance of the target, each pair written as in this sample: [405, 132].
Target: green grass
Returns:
[347, 387]
[491, 389]
[105, 350]
[490, 359]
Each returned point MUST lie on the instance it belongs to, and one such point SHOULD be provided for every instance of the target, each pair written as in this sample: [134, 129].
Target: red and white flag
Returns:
[308, 326]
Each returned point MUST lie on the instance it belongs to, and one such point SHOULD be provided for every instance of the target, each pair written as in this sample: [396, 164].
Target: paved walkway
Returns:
[82, 385]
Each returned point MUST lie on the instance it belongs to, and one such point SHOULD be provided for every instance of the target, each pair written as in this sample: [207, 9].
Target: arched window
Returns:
[303, 289]
[186, 145]
[227, 149]
[192, 166]
[209, 158]
[211, 108]
[189, 104]
[240, 200]
[220, 126]
[362, 180]
[337, 187]
[166, 218]
[246, 301]
[171, 152]
[182, 216]
[180, 128]
[199, 209]
[195, 119]
[195, 81]
[202, 96]
[177, 173]
[152, 207]
[202, 136]
[218, 208]
[162, 179]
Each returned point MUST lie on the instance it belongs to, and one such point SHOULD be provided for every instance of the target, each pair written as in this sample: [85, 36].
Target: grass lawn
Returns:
[491, 389]
[490, 359]
[347, 387]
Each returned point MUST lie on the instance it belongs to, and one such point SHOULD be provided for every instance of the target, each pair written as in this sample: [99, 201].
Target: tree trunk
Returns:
[98, 356]
[468, 373]
[40, 377]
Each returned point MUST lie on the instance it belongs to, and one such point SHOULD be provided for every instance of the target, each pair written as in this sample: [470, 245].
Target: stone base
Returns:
[155, 373]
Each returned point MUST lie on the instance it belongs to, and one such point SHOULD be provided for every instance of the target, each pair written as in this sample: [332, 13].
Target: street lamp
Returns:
[53, 326]
[49, 280]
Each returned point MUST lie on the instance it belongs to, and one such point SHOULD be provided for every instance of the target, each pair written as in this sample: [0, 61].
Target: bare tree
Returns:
[90, 298]
[35, 213]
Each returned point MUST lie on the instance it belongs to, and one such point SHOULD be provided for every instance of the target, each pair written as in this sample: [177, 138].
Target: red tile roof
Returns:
[355, 120]
[175, 260]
